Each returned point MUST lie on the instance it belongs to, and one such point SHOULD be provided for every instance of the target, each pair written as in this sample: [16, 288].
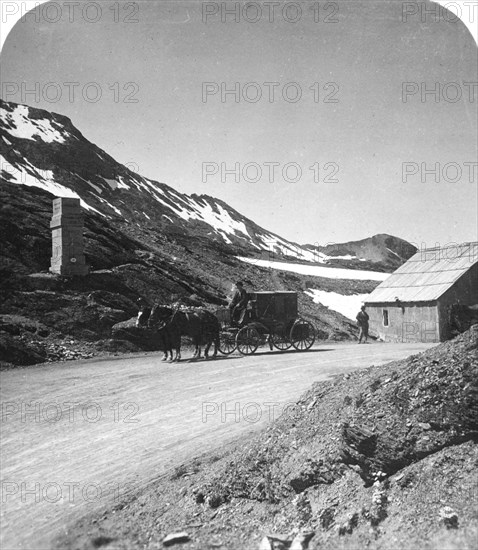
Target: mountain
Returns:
[45, 150]
[142, 239]
[381, 253]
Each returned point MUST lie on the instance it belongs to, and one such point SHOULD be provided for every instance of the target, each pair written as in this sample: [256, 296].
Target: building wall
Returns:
[464, 292]
[409, 322]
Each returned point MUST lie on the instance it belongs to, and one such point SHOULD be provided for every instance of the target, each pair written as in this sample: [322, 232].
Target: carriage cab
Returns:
[271, 316]
[272, 306]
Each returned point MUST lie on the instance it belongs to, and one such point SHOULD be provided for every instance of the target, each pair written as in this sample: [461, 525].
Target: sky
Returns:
[332, 133]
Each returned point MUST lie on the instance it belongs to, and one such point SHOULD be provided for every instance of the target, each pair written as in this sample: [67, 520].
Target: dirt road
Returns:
[76, 437]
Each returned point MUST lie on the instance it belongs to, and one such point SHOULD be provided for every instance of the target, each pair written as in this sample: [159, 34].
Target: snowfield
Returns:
[348, 306]
[320, 271]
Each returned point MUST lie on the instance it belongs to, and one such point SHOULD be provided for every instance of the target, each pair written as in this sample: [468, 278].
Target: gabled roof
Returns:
[427, 275]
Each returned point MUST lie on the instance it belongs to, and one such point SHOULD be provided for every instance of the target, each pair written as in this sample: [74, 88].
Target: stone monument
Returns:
[67, 238]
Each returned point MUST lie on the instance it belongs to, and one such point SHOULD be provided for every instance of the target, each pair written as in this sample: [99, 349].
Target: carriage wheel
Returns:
[227, 343]
[281, 341]
[247, 340]
[302, 335]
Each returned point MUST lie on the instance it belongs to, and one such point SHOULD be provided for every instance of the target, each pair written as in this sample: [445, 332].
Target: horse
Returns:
[165, 342]
[199, 324]
[143, 317]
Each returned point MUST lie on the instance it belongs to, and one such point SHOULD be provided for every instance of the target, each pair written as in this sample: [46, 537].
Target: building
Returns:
[413, 304]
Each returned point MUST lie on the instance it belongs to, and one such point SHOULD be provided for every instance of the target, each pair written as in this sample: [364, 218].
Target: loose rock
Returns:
[449, 517]
[175, 538]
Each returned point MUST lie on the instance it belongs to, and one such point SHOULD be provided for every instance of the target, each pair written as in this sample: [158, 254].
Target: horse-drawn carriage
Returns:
[270, 317]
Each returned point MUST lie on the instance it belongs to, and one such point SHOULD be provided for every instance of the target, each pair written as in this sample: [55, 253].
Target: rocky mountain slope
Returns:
[381, 458]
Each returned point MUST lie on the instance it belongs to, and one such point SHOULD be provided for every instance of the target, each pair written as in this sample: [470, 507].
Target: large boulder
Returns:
[19, 351]
[113, 300]
[143, 338]
[71, 312]
[17, 325]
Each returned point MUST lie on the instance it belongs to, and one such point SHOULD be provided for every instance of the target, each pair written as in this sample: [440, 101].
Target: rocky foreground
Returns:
[383, 458]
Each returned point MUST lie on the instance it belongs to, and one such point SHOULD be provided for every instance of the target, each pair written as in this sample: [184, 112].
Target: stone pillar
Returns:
[67, 238]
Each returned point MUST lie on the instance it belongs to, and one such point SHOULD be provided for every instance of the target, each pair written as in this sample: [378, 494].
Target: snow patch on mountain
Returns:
[43, 179]
[225, 237]
[319, 271]
[18, 124]
[93, 186]
[392, 252]
[117, 210]
[109, 205]
[218, 218]
[280, 247]
[348, 306]
[116, 184]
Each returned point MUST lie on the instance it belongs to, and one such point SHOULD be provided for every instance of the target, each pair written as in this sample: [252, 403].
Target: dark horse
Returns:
[160, 330]
[199, 324]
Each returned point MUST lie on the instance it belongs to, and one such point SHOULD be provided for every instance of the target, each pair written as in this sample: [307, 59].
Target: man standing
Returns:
[362, 322]
[238, 304]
